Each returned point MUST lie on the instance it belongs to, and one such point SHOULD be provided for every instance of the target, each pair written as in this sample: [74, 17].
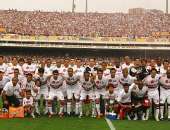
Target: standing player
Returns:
[43, 88]
[73, 90]
[151, 81]
[55, 84]
[165, 93]
[100, 89]
[29, 67]
[87, 84]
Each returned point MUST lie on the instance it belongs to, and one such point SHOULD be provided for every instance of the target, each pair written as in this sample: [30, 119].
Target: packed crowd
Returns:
[66, 86]
[82, 24]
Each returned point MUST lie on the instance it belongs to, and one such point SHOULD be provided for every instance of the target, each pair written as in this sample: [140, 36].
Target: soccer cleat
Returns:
[128, 117]
[161, 118]
[61, 115]
[143, 117]
[157, 119]
[33, 116]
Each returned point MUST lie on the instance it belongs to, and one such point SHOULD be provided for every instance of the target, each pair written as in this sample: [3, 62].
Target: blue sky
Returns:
[94, 5]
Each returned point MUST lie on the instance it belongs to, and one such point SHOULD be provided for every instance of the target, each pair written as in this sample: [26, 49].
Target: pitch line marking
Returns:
[111, 126]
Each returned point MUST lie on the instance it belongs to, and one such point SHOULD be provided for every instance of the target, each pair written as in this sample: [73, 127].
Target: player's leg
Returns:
[82, 98]
[77, 98]
[69, 100]
[162, 103]
[97, 103]
[60, 97]
[168, 103]
[156, 106]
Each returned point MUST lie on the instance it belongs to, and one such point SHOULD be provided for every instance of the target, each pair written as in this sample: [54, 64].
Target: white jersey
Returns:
[114, 81]
[3, 67]
[124, 65]
[124, 97]
[80, 71]
[21, 80]
[106, 73]
[35, 91]
[165, 82]
[139, 92]
[12, 90]
[11, 67]
[43, 80]
[3, 81]
[126, 80]
[72, 82]
[111, 97]
[28, 102]
[55, 84]
[86, 85]
[48, 70]
[29, 68]
[29, 85]
[100, 84]
[152, 83]
[118, 71]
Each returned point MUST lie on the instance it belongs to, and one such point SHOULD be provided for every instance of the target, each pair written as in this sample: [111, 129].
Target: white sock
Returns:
[61, 108]
[36, 107]
[168, 110]
[50, 109]
[46, 107]
[80, 108]
[68, 107]
[162, 111]
[98, 109]
[77, 108]
[147, 113]
[93, 108]
[157, 113]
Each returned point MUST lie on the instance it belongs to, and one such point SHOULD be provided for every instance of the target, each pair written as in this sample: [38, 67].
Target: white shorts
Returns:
[153, 95]
[164, 95]
[99, 93]
[84, 94]
[71, 92]
[55, 94]
[44, 92]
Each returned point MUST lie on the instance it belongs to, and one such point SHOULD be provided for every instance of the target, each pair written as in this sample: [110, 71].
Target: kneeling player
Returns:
[28, 104]
[110, 100]
[55, 84]
[139, 99]
[124, 100]
[165, 93]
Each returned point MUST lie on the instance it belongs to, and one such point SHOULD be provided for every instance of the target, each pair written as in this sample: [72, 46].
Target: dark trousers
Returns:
[12, 101]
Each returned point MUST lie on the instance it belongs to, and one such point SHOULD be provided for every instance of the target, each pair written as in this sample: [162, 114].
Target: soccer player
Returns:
[28, 104]
[55, 84]
[139, 99]
[124, 100]
[165, 93]
[87, 84]
[73, 90]
[110, 99]
[100, 89]
[152, 82]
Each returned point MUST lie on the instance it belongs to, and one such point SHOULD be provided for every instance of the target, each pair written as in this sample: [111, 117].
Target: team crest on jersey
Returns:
[152, 81]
